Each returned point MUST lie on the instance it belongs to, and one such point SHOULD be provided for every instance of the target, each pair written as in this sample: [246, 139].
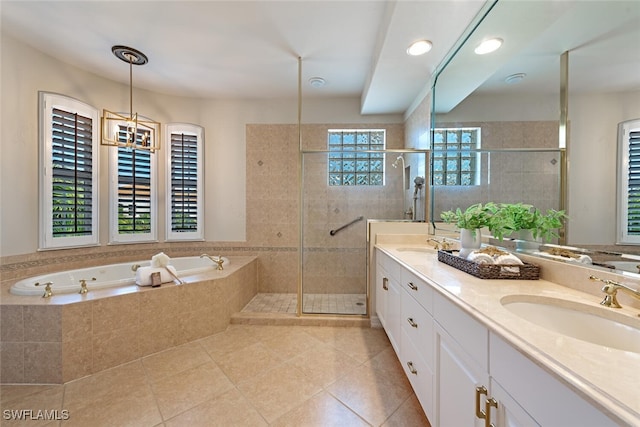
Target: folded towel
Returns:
[143, 274]
[160, 260]
[508, 259]
[480, 258]
[585, 259]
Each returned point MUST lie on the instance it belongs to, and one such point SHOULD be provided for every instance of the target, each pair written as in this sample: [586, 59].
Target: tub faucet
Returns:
[83, 286]
[611, 288]
[47, 289]
[135, 267]
[218, 261]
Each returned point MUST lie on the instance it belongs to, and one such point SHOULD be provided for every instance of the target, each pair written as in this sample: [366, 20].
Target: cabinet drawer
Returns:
[418, 289]
[468, 332]
[420, 375]
[418, 326]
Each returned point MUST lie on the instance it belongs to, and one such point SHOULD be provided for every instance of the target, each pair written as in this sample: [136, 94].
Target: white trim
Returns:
[46, 102]
[624, 130]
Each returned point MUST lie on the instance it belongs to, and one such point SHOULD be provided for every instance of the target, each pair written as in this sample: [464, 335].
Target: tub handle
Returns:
[47, 289]
[83, 285]
[135, 267]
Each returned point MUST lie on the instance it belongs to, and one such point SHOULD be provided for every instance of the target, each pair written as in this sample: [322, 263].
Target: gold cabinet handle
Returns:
[412, 286]
[487, 410]
[385, 282]
[413, 370]
[412, 322]
[480, 390]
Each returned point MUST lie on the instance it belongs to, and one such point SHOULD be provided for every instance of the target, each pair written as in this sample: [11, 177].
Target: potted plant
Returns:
[470, 220]
[512, 217]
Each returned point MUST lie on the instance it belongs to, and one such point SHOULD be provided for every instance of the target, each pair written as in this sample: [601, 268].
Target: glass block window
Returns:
[453, 161]
[352, 157]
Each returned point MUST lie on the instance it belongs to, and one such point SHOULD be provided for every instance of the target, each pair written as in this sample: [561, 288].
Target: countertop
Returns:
[606, 377]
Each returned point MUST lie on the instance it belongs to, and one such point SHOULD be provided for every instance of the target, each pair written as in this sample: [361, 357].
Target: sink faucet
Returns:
[217, 261]
[611, 288]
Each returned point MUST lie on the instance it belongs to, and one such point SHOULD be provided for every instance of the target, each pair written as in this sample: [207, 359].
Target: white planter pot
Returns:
[470, 240]
[526, 243]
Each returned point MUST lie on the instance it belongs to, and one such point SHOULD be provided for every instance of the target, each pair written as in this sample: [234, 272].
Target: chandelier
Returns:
[130, 131]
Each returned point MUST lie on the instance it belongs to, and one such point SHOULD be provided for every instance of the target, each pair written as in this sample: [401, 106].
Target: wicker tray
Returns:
[491, 271]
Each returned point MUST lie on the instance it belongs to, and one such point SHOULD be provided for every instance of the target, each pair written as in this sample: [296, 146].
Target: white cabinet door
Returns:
[509, 412]
[457, 377]
[388, 298]
[393, 313]
[382, 288]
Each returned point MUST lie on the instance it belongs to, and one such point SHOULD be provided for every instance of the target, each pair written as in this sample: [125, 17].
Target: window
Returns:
[184, 182]
[353, 162]
[133, 191]
[628, 196]
[69, 137]
[453, 161]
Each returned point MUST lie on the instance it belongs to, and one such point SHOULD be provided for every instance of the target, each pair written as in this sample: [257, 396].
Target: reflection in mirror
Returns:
[513, 96]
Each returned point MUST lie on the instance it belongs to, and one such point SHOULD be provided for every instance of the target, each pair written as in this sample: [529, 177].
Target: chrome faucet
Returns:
[47, 289]
[218, 261]
[611, 288]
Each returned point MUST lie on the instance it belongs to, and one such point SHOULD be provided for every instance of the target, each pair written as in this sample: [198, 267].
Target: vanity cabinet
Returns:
[388, 297]
[462, 373]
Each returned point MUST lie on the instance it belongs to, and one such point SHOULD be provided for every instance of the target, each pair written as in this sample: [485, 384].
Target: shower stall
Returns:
[334, 217]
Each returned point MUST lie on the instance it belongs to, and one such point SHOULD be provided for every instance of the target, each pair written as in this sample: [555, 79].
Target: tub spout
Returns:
[217, 261]
[47, 289]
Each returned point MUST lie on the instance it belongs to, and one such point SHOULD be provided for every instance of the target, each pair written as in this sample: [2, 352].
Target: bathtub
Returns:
[106, 276]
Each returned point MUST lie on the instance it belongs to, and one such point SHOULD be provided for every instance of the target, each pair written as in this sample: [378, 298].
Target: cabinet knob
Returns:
[385, 282]
[413, 370]
[412, 322]
[412, 286]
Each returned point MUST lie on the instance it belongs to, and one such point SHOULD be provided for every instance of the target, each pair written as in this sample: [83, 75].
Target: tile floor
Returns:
[248, 375]
[311, 303]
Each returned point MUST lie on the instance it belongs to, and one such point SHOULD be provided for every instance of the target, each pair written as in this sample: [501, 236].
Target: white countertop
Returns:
[608, 378]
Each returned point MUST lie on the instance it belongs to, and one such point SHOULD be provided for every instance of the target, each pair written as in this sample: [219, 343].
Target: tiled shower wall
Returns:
[332, 264]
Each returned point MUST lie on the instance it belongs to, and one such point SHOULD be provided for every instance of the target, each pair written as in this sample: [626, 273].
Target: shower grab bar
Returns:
[333, 232]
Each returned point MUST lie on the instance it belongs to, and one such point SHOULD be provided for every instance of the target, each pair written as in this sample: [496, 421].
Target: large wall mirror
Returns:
[513, 96]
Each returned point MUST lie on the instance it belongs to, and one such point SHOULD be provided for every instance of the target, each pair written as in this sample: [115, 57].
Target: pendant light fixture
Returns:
[130, 131]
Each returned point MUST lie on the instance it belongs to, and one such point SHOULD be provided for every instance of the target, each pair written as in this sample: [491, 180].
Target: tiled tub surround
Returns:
[58, 339]
[607, 378]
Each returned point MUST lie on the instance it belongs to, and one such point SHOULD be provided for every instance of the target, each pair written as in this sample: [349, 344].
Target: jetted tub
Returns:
[107, 276]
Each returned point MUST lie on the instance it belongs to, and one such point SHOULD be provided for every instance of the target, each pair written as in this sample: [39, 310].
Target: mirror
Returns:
[513, 95]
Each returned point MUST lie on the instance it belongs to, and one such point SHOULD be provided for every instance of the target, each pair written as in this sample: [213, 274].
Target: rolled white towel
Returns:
[508, 259]
[143, 275]
[480, 258]
[585, 259]
[160, 260]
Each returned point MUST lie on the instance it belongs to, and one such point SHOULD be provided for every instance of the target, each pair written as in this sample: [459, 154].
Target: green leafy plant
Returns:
[474, 217]
[511, 217]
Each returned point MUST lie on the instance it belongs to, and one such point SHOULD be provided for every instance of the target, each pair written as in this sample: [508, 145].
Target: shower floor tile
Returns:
[312, 303]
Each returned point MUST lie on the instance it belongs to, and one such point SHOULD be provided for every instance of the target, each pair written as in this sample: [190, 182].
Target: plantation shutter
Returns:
[184, 182]
[633, 186]
[134, 188]
[72, 174]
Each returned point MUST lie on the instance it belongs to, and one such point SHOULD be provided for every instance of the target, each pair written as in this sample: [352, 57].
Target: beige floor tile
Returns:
[41, 398]
[410, 413]
[361, 343]
[175, 360]
[187, 389]
[235, 338]
[267, 332]
[291, 343]
[278, 390]
[322, 410]
[371, 394]
[10, 392]
[226, 410]
[248, 362]
[105, 385]
[324, 365]
[135, 408]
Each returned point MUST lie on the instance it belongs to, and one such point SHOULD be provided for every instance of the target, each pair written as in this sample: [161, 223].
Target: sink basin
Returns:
[597, 325]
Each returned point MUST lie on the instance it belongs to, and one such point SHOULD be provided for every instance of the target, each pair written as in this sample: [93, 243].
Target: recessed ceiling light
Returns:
[488, 46]
[515, 78]
[317, 82]
[419, 48]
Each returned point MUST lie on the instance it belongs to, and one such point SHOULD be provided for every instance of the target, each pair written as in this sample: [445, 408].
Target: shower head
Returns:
[398, 159]
[418, 181]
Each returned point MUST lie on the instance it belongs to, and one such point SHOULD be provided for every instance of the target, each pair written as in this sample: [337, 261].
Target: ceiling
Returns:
[249, 49]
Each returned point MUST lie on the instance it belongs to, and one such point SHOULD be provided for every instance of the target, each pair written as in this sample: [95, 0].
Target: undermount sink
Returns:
[602, 326]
